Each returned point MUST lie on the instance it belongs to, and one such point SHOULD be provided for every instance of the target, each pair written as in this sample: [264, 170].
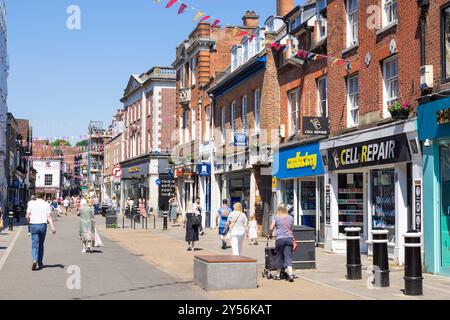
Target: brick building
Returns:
[200, 59]
[344, 63]
[434, 132]
[149, 121]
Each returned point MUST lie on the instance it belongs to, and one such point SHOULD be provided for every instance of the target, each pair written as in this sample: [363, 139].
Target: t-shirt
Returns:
[39, 211]
[237, 222]
[283, 226]
[66, 203]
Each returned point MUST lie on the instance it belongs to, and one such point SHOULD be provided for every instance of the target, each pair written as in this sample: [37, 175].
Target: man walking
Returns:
[66, 204]
[39, 212]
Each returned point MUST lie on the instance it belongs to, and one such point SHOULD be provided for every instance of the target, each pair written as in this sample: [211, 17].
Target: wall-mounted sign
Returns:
[134, 169]
[117, 172]
[166, 191]
[274, 184]
[240, 139]
[418, 204]
[443, 116]
[316, 126]
[204, 170]
[328, 204]
[298, 162]
[375, 152]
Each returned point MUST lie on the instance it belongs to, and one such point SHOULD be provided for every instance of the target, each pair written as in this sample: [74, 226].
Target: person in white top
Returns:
[39, 212]
[66, 204]
[237, 226]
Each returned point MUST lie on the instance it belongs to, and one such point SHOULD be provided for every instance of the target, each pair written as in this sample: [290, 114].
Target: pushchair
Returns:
[271, 262]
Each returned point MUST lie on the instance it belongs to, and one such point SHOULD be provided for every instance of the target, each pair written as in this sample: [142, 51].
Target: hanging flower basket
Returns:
[401, 111]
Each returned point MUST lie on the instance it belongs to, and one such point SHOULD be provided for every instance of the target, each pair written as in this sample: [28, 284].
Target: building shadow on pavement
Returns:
[53, 266]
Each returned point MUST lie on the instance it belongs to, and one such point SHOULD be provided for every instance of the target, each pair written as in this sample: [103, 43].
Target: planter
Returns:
[398, 115]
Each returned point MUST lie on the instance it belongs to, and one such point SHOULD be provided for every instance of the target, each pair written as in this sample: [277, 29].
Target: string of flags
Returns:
[200, 16]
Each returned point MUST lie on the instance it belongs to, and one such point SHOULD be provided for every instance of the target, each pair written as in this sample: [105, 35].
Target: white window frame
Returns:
[234, 58]
[390, 12]
[320, 98]
[245, 51]
[233, 116]
[193, 122]
[182, 77]
[207, 123]
[257, 110]
[223, 121]
[390, 84]
[353, 101]
[257, 43]
[294, 111]
[186, 126]
[244, 112]
[352, 22]
[193, 71]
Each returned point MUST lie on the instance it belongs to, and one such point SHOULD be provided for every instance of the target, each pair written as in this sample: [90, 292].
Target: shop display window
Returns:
[308, 203]
[350, 201]
[383, 200]
[288, 195]
[445, 204]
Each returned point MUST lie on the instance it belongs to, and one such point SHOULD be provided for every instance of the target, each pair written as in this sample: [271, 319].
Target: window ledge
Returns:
[350, 48]
[391, 25]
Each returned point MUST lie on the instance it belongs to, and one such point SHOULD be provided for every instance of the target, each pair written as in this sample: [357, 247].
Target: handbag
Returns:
[294, 242]
[97, 241]
[196, 221]
[228, 235]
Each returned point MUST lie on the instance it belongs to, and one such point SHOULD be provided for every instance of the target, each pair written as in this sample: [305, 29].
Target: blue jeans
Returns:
[38, 232]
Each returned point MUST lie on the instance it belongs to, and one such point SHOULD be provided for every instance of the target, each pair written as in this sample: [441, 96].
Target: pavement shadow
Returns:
[96, 251]
[3, 248]
[53, 266]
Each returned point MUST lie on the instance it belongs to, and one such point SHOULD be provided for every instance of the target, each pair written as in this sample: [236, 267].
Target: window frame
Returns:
[233, 116]
[207, 123]
[193, 71]
[245, 50]
[319, 97]
[244, 110]
[294, 130]
[352, 23]
[257, 109]
[45, 180]
[223, 122]
[182, 77]
[350, 107]
[385, 15]
[193, 123]
[389, 101]
[444, 77]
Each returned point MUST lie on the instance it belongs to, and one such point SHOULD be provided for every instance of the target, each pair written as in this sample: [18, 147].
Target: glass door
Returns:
[445, 204]
[321, 211]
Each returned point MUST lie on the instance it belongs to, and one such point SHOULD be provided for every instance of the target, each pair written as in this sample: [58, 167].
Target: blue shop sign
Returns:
[204, 170]
[433, 120]
[240, 139]
[304, 161]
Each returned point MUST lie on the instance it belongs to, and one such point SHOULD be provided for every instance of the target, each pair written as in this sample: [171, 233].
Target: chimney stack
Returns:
[284, 7]
[250, 19]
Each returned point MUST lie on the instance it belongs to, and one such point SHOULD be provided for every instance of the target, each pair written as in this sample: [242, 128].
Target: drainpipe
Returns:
[424, 4]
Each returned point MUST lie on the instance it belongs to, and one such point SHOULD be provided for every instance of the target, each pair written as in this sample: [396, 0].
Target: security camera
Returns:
[427, 143]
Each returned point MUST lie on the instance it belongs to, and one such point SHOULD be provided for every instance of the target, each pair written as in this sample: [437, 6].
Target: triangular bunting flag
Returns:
[197, 16]
[170, 3]
[205, 18]
[215, 24]
[182, 8]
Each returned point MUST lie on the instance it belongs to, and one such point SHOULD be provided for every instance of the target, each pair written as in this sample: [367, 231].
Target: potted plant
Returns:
[401, 111]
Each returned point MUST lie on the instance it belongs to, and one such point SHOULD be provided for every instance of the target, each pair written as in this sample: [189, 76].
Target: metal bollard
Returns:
[380, 258]
[413, 264]
[354, 267]
[165, 216]
[11, 220]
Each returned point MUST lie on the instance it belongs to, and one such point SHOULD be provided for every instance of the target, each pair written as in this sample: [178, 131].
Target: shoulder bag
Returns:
[228, 236]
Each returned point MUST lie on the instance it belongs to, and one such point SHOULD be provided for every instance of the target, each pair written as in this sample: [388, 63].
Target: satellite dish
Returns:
[393, 46]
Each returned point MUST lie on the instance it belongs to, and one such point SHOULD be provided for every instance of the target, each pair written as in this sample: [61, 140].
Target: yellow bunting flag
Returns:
[198, 15]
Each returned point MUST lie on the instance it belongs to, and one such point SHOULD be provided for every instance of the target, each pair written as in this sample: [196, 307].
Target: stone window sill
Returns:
[350, 48]
[388, 27]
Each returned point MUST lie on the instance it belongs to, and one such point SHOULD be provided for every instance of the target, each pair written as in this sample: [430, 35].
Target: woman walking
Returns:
[191, 224]
[237, 226]
[87, 231]
[173, 209]
[284, 244]
[221, 221]
[142, 208]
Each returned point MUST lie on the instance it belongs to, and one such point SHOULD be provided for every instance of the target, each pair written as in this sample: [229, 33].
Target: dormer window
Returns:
[295, 23]
[245, 51]
[235, 57]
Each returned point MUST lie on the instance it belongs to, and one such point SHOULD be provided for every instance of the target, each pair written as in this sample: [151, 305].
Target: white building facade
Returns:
[48, 177]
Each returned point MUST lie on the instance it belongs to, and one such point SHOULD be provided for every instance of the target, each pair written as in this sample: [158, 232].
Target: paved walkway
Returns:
[167, 250]
[110, 273]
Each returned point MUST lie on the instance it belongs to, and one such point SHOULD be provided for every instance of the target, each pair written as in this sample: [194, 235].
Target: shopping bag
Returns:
[97, 241]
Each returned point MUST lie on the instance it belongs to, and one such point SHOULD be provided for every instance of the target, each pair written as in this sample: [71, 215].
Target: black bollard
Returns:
[165, 216]
[413, 264]
[354, 267]
[11, 220]
[380, 258]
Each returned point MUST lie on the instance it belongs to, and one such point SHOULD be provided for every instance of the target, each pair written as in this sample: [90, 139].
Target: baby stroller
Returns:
[271, 263]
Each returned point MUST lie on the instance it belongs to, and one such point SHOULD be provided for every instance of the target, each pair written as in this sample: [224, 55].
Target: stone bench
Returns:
[213, 273]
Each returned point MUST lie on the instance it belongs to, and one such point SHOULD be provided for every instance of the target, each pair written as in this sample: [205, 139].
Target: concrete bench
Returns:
[213, 273]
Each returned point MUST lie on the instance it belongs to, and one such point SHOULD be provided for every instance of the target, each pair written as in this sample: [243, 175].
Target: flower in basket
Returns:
[401, 110]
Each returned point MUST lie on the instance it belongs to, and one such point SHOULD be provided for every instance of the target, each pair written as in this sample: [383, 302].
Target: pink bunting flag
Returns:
[171, 3]
[216, 23]
[205, 18]
[182, 8]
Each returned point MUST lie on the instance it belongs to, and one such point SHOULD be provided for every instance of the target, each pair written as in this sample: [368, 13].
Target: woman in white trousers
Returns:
[237, 226]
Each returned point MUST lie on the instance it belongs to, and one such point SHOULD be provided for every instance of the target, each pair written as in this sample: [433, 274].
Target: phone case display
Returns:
[383, 201]
[350, 201]
[308, 196]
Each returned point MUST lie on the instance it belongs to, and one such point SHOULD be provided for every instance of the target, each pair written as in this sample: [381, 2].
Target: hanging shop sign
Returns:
[328, 204]
[375, 152]
[204, 170]
[418, 204]
[166, 190]
[274, 184]
[316, 126]
[443, 116]
[298, 162]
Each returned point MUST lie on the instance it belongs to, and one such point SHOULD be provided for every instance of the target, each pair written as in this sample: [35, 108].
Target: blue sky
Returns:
[60, 78]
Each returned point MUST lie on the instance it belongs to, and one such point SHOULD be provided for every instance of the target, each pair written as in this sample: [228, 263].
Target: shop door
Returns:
[445, 205]
[321, 211]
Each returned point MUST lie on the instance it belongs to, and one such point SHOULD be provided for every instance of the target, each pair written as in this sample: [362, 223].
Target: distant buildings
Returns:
[4, 67]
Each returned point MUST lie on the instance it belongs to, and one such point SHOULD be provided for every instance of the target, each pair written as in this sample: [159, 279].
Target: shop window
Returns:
[288, 195]
[350, 201]
[383, 201]
[308, 203]
[445, 39]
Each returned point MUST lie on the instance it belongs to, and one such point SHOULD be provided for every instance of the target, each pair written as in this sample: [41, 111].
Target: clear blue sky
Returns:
[60, 79]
